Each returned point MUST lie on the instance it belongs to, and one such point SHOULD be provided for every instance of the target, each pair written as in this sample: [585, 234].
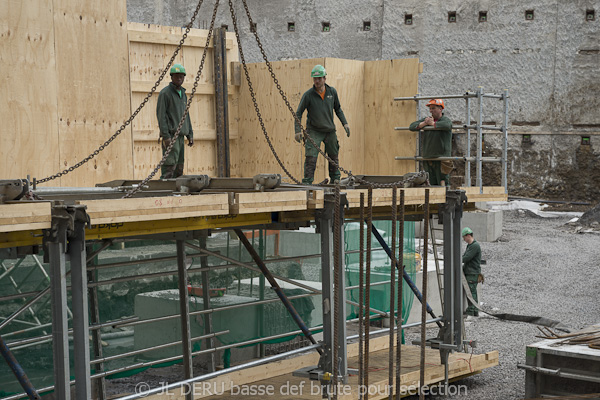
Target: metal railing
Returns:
[467, 127]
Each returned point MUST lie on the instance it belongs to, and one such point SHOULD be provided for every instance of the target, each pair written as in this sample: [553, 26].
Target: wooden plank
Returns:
[138, 33]
[385, 80]
[155, 208]
[27, 216]
[315, 199]
[383, 197]
[244, 203]
[490, 193]
[29, 129]
[93, 88]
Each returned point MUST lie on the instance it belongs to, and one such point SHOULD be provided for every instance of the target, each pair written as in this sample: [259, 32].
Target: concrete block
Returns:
[486, 225]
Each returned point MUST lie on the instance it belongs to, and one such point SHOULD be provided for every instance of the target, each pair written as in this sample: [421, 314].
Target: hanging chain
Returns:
[305, 134]
[136, 112]
[185, 113]
[253, 95]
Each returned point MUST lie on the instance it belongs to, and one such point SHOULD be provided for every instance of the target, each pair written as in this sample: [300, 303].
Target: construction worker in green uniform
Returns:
[471, 267]
[321, 101]
[170, 107]
[436, 143]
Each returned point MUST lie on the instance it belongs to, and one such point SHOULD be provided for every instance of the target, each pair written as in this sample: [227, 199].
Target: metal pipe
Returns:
[376, 311]
[138, 262]
[492, 96]
[450, 96]
[466, 159]
[219, 373]
[558, 372]
[23, 308]
[46, 191]
[236, 262]
[18, 370]
[468, 144]
[404, 275]
[162, 346]
[505, 144]
[386, 330]
[426, 128]
[200, 312]
[479, 140]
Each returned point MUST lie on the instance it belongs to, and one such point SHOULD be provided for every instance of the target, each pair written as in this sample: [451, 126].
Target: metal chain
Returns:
[253, 95]
[136, 112]
[185, 113]
[296, 119]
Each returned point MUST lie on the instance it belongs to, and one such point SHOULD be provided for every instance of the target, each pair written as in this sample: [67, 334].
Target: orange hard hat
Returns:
[436, 102]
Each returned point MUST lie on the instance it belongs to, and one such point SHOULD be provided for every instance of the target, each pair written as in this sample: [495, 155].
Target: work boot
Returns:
[310, 165]
[167, 171]
[178, 170]
[334, 172]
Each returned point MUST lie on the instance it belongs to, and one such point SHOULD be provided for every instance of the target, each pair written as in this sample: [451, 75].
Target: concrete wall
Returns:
[548, 64]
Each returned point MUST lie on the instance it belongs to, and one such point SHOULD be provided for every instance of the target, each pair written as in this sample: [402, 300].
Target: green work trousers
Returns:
[332, 149]
[472, 281]
[173, 166]
[434, 169]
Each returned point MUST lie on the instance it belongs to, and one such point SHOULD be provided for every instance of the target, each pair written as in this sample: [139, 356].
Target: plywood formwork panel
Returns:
[347, 77]
[385, 80]
[93, 88]
[151, 47]
[29, 129]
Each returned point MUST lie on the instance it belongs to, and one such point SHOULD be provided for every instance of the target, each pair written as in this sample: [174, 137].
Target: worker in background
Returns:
[170, 107]
[436, 143]
[321, 101]
[472, 267]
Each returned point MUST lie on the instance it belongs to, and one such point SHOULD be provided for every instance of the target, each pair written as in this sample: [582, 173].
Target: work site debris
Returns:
[589, 336]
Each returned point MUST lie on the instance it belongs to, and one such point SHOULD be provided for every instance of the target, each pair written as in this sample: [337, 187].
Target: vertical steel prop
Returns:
[423, 310]
[337, 266]
[368, 291]
[400, 267]
[393, 295]
[361, 297]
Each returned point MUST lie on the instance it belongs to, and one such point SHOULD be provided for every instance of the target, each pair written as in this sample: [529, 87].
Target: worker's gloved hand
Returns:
[298, 137]
[190, 142]
[166, 142]
[347, 129]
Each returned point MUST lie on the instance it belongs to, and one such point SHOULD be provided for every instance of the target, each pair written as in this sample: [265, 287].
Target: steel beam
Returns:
[209, 342]
[221, 101]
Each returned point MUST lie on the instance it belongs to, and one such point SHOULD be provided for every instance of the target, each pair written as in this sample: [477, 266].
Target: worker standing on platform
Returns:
[321, 101]
[437, 142]
[472, 267]
[170, 107]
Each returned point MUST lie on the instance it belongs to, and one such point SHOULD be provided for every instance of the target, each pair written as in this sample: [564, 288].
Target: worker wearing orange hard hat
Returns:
[437, 142]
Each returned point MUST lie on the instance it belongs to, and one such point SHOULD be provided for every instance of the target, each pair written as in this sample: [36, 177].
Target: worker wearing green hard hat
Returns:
[170, 107]
[472, 267]
[321, 101]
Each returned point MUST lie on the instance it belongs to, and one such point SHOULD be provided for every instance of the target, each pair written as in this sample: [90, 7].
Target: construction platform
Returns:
[276, 379]
[64, 228]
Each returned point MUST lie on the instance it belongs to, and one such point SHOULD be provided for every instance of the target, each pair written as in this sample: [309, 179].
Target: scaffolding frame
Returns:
[478, 159]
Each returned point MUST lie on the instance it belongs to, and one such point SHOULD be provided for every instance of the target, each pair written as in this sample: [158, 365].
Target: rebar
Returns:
[423, 310]
[337, 266]
[400, 267]
[392, 294]
[361, 296]
[368, 288]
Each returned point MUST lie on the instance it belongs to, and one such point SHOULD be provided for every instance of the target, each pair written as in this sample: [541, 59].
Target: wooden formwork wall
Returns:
[65, 89]
[150, 48]
[366, 90]
[74, 71]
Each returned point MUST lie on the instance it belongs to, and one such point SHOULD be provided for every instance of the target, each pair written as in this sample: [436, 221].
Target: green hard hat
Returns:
[318, 71]
[177, 69]
[467, 231]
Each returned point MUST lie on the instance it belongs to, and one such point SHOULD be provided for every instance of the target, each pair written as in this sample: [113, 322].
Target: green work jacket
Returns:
[169, 110]
[472, 259]
[320, 111]
[437, 142]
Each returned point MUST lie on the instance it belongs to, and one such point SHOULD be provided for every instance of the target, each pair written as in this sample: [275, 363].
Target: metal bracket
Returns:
[63, 225]
[13, 189]
[192, 183]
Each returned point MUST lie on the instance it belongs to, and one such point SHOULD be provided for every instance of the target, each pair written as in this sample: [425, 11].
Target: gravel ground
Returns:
[535, 268]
